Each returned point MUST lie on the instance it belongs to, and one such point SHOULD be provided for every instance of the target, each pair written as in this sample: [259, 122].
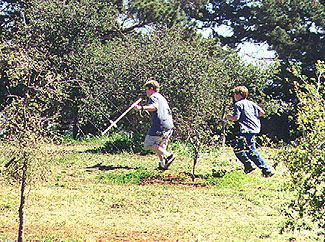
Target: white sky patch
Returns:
[223, 30]
[250, 52]
[256, 50]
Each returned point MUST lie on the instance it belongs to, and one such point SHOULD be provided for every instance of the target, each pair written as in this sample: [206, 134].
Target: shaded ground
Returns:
[93, 234]
[182, 179]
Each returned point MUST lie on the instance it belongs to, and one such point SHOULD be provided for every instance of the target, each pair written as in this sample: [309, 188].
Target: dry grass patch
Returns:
[81, 201]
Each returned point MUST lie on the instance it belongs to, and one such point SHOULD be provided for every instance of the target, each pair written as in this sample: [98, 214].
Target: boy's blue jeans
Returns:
[245, 150]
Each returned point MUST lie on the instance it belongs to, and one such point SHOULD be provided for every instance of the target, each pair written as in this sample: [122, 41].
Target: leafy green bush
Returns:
[124, 142]
[305, 159]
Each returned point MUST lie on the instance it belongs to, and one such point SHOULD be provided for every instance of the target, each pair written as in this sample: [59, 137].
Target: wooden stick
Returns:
[113, 124]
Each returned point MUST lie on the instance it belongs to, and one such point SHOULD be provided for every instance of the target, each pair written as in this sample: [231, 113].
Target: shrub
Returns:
[305, 159]
[123, 142]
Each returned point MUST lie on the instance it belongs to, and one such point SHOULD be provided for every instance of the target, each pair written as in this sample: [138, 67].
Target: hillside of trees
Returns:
[85, 47]
[83, 51]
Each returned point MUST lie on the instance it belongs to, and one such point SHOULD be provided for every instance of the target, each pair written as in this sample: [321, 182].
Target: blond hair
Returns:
[152, 84]
[242, 90]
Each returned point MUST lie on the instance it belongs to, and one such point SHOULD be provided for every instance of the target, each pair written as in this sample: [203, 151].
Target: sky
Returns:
[248, 51]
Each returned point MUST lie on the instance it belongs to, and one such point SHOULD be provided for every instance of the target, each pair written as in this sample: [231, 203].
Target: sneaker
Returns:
[161, 166]
[268, 174]
[169, 160]
[249, 170]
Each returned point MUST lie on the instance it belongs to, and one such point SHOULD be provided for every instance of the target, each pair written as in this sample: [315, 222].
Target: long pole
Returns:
[122, 115]
[223, 126]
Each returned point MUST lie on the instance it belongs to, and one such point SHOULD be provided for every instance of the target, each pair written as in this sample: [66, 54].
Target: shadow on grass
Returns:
[101, 167]
[215, 174]
[143, 176]
[104, 150]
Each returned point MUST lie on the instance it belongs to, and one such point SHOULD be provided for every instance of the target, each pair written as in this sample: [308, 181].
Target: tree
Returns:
[129, 15]
[294, 29]
[64, 29]
[305, 158]
[26, 116]
[60, 30]
[9, 14]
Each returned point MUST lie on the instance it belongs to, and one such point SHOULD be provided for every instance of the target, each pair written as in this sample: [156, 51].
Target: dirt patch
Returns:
[180, 180]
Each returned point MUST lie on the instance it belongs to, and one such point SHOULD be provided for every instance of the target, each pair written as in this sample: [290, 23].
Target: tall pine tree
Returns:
[294, 29]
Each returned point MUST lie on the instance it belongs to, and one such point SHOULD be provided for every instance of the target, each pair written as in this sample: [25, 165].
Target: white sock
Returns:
[167, 154]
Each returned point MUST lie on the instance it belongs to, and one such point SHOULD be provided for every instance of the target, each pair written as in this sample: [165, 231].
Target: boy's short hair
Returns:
[242, 90]
[152, 84]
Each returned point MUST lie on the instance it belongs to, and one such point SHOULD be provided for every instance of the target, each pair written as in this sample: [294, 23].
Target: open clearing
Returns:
[90, 196]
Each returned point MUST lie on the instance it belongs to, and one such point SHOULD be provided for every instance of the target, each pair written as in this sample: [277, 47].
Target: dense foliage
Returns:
[102, 77]
[305, 158]
[195, 78]
[294, 29]
[129, 15]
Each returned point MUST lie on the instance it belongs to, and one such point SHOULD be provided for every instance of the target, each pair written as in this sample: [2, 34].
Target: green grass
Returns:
[91, 196]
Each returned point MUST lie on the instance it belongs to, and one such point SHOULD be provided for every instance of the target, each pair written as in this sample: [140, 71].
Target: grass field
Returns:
[90, 196]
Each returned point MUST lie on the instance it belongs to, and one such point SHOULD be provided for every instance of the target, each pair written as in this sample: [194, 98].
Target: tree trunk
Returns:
[22, 203]
[223, 128]
[75, 121]
[196, 156]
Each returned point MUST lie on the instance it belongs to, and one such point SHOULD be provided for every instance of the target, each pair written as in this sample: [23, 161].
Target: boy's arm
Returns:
[232, 118]
[149, 108]
[261, 112]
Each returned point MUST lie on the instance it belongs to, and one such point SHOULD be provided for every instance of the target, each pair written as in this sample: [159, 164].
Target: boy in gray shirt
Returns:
[248, 113]
[161, 124]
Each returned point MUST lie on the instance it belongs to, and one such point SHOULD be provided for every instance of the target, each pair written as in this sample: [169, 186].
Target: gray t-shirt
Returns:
[248, 113]
[161, 119]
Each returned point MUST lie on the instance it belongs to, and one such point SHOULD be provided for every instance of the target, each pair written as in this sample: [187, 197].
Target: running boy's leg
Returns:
[158, 144]
[240, 150]
[255, 156]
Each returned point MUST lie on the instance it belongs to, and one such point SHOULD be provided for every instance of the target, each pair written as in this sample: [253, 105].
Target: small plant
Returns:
[25, 116]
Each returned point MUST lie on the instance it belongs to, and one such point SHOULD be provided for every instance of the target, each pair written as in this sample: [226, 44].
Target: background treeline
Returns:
[99, 68]
[97, 57]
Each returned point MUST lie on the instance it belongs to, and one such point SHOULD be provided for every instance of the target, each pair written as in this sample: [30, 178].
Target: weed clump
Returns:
[131, 177]
[123, 142]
